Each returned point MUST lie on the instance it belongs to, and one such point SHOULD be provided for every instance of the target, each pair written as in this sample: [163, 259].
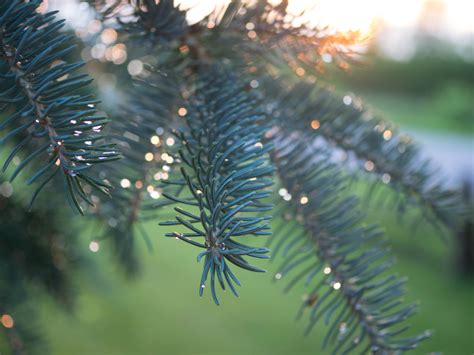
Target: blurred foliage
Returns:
[36, 256]
[427, 92]
[455, 101]
[418, 76]
[445, 109]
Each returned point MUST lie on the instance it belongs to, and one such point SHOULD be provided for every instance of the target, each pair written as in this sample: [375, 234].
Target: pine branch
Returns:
[377, 146]
[225, 171]
[147, 21]
[238, 30]
[267, 36]
[57, 126]
[346, 263]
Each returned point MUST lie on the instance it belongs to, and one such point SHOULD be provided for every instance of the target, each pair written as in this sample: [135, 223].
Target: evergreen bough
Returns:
[222, 112]
[53, 122]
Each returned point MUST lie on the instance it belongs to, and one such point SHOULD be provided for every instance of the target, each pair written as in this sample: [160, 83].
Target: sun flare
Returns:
[350, 15]
[363, 15]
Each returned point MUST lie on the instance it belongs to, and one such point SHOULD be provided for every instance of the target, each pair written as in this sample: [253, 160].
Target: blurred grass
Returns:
[447, 109]
[431, 91]
[161, 313]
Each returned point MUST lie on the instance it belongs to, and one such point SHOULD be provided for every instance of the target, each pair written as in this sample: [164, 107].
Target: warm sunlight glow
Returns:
[342, 15]
[392, 25]
[363, 15]
[7, 321]
[339, 15]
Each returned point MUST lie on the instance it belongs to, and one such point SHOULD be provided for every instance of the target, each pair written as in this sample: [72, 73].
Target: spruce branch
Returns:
[225, 171]
[378, 147]
[52, 121]
[238, 30]
[145, 21]
[155, 22]
[269, 37]
[345, 262]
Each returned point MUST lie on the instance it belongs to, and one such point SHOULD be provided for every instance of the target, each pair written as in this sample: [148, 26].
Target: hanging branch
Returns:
[58, 127]
[145, 21]
[377, 146]
[345, 262]
[225, 170]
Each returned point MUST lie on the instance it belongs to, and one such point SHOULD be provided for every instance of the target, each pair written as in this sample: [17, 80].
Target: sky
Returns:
[456, 15]
[393, 23]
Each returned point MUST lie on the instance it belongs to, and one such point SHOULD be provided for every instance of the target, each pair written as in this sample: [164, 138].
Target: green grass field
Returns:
[447, 110]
